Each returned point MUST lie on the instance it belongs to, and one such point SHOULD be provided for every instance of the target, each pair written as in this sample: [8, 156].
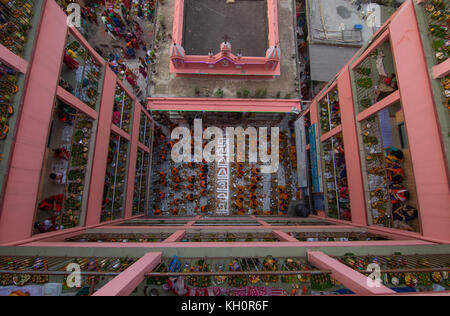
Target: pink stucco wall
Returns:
[22, 183]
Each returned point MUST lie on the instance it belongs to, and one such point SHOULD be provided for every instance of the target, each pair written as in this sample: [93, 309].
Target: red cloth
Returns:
[70, 62]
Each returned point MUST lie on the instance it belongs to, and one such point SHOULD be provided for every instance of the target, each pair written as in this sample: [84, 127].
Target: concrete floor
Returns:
[165, 84]
[243, 22]
[98, 37]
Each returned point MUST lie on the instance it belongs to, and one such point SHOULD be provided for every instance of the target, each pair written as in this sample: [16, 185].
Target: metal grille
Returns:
[153, 223]
[226, 223]
[299, 223]
[124, 237]
[40, 268]
[337, 236]
[229, 237]
[399, 263]
[217, 266]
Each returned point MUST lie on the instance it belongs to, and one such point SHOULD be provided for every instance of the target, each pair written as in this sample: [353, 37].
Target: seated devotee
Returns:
[255, 179]
[177, 179]
[174, 171]
[190, 187]
[62, 153]
[203, 184]
[58, 177]
[203, 192]
[256, 171]
[253, 203]
[162, 195]
[191, 179]
[157, 212]
[202, 176]
[190, 197]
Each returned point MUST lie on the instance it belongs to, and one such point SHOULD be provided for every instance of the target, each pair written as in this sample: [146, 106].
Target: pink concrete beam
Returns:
[143, 147]
[352, 279]
[127, 281]
[384, 103]
[331, 133]
[12, 60]
[221, 105]
[380, 40]
[73, 101]
[441, 70]
[176, 236]
[120, 132]
[21, 186]
[80, 38]
[351, 149]
[124, 88]
[284, 236]
[260, 221]
[191, 223]
[422, 125]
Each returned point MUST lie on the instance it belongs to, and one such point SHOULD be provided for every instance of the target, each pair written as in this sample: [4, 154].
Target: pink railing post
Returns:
[352, 279]
[125, 283]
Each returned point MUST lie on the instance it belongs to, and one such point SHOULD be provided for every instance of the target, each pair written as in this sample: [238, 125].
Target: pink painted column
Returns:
[125, 283]
[352, 279]
[351, 149]
[22, 183]
[99, 162]
[132, 159]
[422, 125]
